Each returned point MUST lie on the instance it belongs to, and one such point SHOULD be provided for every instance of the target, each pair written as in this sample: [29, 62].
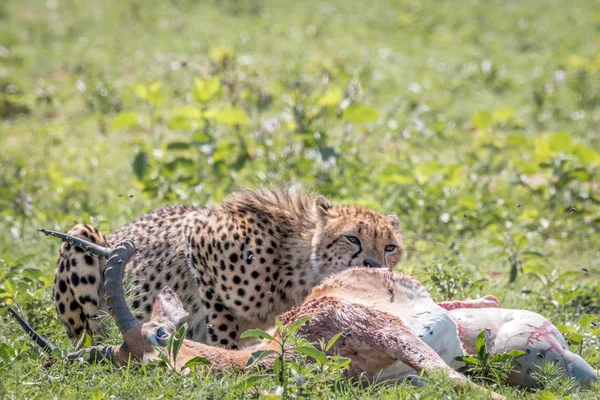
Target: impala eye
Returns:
[390, 247]
[161, 333]
[352, 239]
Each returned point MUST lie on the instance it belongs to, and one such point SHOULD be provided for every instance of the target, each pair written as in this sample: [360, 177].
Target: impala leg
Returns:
[401, 344]
[483, 302]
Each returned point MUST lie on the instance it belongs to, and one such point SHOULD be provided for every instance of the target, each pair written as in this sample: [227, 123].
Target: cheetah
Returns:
[235, 266]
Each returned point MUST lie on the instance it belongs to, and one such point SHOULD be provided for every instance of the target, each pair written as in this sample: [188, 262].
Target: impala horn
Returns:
[36, 337]
[81, 243]
[113, 286]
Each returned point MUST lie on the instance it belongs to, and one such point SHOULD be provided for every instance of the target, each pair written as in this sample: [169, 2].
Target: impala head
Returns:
[167, 315]
[351, 236]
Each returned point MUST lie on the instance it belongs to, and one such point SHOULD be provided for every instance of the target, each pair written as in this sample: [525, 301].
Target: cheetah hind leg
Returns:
[78, 289]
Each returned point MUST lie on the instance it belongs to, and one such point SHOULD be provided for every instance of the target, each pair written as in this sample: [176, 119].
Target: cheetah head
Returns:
[351, 236]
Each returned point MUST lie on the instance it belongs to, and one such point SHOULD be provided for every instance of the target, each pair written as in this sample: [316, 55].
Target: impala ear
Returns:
[168, 305]
[394, 221]
[323, 209]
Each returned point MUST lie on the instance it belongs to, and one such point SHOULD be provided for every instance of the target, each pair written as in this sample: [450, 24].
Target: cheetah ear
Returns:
[323, 209]
[168, 305]
[394, 221]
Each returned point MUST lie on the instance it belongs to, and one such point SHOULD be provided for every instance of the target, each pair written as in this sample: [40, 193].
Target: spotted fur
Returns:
[235, 266]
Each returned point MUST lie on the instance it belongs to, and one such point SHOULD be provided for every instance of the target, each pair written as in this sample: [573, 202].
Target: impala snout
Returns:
[370, 263]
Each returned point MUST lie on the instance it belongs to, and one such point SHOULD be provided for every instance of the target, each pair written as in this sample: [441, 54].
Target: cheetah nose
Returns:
[370, 263]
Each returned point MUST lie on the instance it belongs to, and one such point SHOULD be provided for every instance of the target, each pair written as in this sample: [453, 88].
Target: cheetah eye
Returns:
[390, 248]
[352, 239]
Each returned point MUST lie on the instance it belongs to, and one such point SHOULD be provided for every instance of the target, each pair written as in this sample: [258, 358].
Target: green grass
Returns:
[476, 121]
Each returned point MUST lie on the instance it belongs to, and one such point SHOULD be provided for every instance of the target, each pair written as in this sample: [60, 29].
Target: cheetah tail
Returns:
[37, 338]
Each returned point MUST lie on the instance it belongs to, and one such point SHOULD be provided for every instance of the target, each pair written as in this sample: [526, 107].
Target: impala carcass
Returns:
[392, 328]
[451, 328]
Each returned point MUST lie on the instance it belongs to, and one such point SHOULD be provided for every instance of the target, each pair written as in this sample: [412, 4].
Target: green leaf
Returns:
[503, 114]
[141, 91]
[569, 275]
[150, 92]
[32, 273]
[579, 174]
[195, 362]
[497, 242]
[296, 325]
[189, 112]
[576, 338]
[230, 116]
[480, 344]
[513, 273]
[517, 140]
[58, 353]
[204, 90]
[277, 366]
[360, 113]
[156, 99]
[279, 325]
[596, 332]
[340, 362]
[482, 120]
[586, 320]
[140, 165]
[516, 353]
[10, 287]
[250, 381]
[178, 123]
[84, 342]
[333, 340]
[200, 139]
[545, 395]
[178, 339]
[125, 120]
[533, 254]
[511, 355]
[469, 202]
[256, 333]
[258, 355]
[398, 179]
[98, 395]
[313, 352]
[468, 360]
[561, 141]
[332, 98]
[181, 163]
[178, 146]
[586, 155]
[185, 118]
